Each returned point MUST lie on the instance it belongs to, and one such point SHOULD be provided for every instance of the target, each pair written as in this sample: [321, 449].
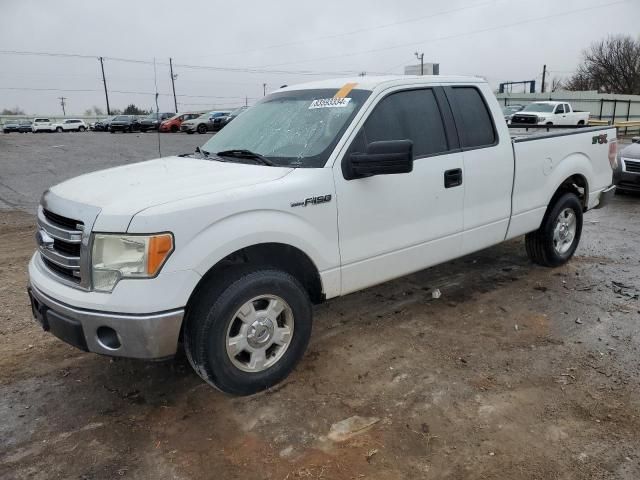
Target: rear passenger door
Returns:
[391, 225]
[488, 165]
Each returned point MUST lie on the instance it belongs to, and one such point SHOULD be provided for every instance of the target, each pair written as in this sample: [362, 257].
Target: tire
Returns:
[5, 131]
[202, 128]
[214, 320]
[59, 129]
[190, 132]
[555, 242]
[174, 128]
[112, 131]
[143, 130]
[549, 124]
[81, 129]
[581, 123]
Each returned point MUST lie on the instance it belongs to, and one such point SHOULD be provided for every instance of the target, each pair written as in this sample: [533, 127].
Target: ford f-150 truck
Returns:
[550, 113]
[317, 191]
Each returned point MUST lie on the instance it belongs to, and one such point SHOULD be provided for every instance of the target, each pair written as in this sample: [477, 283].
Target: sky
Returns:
[224, 51]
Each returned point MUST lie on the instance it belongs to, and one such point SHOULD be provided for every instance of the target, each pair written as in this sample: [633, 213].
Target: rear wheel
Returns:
[581, 123]
[247, 333]
[202, 128]
[59, 129]
[555, 242]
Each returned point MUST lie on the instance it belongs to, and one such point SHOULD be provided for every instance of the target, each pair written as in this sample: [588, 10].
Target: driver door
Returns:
[391, 225]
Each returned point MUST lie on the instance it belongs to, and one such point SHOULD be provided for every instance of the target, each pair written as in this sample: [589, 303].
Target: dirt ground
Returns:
[516, 372]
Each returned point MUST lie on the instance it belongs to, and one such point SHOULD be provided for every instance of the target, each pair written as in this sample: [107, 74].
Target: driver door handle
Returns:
[453, 178]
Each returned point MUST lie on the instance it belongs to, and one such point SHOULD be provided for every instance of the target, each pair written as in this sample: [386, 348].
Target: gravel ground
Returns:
[516, 372]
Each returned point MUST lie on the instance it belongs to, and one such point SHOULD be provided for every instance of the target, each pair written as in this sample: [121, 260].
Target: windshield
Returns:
[121, 118]
[298, 128]
[539, 107]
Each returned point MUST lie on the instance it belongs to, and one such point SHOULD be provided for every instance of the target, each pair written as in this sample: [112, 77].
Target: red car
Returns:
[173, 124]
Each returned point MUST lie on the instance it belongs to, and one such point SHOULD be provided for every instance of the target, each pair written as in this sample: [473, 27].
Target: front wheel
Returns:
[174, 128]
[202, 128]
[248, 332]
[81, 129]
[555, 242]
[59, 129]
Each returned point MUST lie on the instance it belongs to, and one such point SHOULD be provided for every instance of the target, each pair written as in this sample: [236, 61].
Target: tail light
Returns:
[613, 154]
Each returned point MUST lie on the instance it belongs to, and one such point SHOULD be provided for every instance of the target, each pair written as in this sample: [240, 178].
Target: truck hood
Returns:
[123, 191]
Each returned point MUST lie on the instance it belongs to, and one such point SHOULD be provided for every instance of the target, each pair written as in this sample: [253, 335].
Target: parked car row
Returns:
[189, 122]
[43, 124]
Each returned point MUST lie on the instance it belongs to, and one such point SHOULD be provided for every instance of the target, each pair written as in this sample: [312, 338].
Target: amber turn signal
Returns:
[160, 247]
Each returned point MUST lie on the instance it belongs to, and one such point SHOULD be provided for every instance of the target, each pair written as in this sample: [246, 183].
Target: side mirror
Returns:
[381, 158]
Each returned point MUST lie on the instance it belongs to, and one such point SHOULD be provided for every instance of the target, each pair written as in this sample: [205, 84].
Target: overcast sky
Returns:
[498, 39]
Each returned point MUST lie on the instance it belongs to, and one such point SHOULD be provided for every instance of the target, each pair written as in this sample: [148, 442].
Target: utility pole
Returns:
[62, 99]
[104, 81]
[246, 101]
[264, 89]
[420, 56]
[544, 74]
[173, 85]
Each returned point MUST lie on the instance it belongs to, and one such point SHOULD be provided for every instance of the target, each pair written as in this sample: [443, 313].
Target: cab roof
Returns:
[371, 82]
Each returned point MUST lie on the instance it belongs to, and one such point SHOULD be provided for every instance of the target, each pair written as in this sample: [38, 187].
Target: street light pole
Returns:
[264, 89]
[420, 56]
[173, 85]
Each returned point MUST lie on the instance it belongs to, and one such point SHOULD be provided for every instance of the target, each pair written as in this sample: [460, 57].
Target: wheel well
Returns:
[276, 255]
[574, 184]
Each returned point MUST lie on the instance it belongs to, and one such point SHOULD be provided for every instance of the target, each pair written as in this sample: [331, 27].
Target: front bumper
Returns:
[627, 181]
[144, 336]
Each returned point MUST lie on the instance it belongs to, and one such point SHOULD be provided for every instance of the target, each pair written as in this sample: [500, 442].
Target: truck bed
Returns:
[545, 160]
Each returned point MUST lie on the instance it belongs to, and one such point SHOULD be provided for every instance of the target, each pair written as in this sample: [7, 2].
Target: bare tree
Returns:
[609, 66]
[12, 111]
[557, 84]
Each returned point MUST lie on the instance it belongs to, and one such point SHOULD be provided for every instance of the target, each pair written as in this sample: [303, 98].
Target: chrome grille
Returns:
[59, 241]
[632, 166]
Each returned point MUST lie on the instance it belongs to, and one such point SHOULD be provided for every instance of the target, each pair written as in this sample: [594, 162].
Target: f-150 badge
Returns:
[312, 201]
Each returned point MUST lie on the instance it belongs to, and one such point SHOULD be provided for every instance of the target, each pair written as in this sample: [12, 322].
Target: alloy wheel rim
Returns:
[564, 231]
[259, 333]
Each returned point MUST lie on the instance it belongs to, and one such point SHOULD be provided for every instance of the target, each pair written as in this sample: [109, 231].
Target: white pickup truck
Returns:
[317, 191]
[550, 113]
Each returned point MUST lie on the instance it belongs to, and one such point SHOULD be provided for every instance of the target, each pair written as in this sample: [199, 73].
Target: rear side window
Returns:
[410, 115]
[473, 118]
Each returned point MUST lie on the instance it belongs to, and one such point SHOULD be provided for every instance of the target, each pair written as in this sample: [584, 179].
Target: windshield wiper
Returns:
[246, 154]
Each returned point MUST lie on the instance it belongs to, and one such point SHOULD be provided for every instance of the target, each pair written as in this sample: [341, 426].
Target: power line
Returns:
[352, 32]
[445, 37]
[256, 70]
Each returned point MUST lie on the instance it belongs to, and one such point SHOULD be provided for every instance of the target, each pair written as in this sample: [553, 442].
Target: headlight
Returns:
[127, 256]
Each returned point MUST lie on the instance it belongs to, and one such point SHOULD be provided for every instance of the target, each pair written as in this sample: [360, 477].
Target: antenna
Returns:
[155, 79]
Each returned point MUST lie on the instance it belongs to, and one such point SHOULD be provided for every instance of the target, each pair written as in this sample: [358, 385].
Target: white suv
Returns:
[74, 125]
[45, 125]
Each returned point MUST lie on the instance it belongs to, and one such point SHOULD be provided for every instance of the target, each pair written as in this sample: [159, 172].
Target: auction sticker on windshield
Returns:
[329, 103]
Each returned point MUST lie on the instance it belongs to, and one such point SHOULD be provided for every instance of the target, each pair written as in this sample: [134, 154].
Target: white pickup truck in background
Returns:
[317, 191]
[550, 113]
